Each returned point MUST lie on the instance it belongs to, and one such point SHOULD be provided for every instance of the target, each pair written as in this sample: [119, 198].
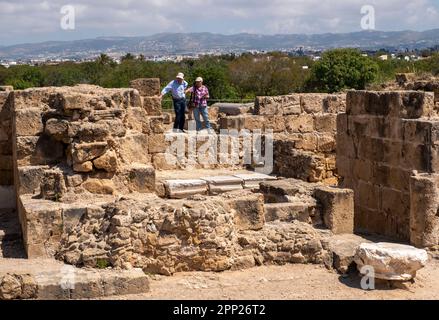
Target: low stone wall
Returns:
[381, 139]
[201, 234]
[6, 163]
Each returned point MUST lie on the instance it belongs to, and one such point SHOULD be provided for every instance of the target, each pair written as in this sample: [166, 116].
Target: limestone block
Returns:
[141, 178]
[326, 123]
[275, 123]
[290, 211]
[337, 208]
[28, 122]
[137, 120]
[146, 87]
[152, 105]
[134, 149]
[424, 205]
[99, 186]
[83, 152]
[235, 122]
[249, 212]
[157, 124]
[72, 214]
[326, 143]
[253, 180]
[180, 189]
[233, 109]
[40, 150]
[57, 129]
[300, 124]
[53, 186]
[108, 161]
[334, 104]
[253, 122]
[83, 167]
[41, 225]
[221, 184]
[391, 261]
[312, 102]
[161, 163]
[30, 178]
[157, 143]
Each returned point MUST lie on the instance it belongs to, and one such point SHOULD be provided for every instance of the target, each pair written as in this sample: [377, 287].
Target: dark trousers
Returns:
[180, 109]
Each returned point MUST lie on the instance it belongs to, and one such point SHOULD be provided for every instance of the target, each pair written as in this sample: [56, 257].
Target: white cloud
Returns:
[36, 20]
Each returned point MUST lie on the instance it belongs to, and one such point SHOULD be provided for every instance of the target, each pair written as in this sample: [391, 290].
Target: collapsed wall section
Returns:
[381, 140]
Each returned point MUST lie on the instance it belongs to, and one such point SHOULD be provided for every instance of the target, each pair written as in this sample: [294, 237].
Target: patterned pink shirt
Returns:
[199, 98]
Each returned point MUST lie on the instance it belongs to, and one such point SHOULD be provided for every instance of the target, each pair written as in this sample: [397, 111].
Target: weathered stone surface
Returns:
[391, 261]
[141, 178]
[146, 87]
[28, 122]
[337, 208]
[249, 212]
[53, 186]
[107, 162]
[178, 189]
[83, 167]
[14, 286]
[252, 181]
[220, 184]
[99, 186]
[152, 105]
[88, 151]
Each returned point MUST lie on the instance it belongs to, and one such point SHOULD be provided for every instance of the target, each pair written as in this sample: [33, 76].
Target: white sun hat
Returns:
[180, 76]
[199, 79]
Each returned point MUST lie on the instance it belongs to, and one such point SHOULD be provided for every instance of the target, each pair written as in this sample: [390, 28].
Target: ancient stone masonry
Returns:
[70, 142]
[6, 172]
[304, 127]
[382, 140]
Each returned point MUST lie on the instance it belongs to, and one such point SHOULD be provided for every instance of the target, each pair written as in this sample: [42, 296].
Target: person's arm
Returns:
[167, 88]
[190, 90]
[207, 96]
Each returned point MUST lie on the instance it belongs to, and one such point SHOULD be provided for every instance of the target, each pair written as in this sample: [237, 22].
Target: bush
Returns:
[342, 69]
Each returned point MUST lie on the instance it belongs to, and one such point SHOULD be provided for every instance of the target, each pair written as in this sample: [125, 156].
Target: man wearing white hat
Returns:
[178, 89]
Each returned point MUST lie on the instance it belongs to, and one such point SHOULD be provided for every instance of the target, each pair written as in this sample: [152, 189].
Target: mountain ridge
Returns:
[192, 43]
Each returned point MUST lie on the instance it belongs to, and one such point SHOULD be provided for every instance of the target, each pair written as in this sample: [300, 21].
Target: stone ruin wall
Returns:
[6, 162]
[86, 194]
[385, 139]
[304, 127]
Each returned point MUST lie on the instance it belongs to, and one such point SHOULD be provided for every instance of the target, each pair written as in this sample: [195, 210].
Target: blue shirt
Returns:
[177, 89]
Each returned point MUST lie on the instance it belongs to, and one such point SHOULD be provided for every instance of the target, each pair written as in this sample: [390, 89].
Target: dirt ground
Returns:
[290, 282]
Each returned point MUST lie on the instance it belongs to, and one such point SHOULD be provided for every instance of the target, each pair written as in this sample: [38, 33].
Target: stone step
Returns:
[213, 185]
[222, 184]
[52, 280]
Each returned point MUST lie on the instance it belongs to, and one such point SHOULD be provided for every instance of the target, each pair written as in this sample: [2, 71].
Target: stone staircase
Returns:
[11, 245]
[212, 185]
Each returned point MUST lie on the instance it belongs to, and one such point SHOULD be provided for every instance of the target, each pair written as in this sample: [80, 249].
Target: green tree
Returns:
[343, 69]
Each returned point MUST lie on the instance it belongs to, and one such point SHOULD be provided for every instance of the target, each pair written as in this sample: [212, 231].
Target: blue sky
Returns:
[39, 20]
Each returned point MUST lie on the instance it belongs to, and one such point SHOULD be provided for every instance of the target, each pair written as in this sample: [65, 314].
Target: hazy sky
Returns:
[38, 20]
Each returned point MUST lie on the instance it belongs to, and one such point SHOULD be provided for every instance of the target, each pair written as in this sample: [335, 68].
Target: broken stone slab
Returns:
[180, 189]
[253, 180]
[390, 261]
[221, 184]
